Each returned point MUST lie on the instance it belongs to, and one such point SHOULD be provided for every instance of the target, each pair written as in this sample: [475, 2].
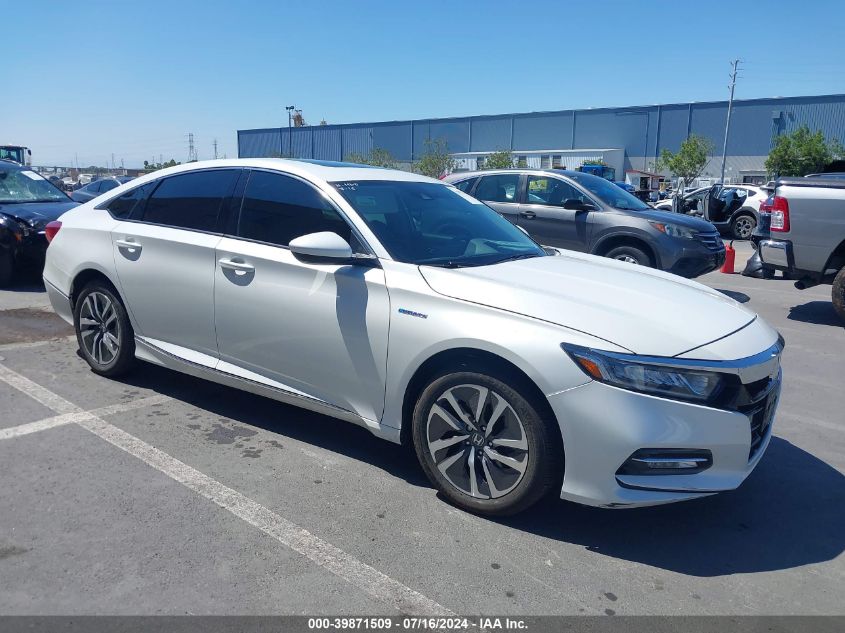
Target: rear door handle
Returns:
[530, 215]
[129, 244]
[240, 267]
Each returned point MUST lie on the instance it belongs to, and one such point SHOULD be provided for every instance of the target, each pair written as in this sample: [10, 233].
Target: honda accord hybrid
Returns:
[401, 304]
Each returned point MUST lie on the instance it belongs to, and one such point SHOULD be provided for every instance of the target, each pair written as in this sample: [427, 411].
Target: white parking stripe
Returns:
[71, 418]
[359, 574]
[37, 392]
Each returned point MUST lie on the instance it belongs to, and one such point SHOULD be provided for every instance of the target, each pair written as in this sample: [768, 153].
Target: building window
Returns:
[557, 161]
[545, 162]
[479, 162]
[522, 161]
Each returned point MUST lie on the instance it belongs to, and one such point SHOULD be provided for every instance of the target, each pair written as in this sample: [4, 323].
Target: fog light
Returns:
[666, 461]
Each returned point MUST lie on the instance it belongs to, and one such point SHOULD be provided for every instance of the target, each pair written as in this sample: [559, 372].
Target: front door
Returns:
[547, 221]
[164, 257]
[317, 330]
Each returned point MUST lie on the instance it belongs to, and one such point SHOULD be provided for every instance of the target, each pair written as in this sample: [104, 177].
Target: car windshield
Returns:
[609, 193]
[23, 185]
[428, 223]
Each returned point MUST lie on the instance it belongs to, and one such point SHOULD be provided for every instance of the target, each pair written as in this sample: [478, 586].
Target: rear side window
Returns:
[107, 185]
[277, 209]
[123, 206]
[465, 185]
[498, 188]
[190, 201]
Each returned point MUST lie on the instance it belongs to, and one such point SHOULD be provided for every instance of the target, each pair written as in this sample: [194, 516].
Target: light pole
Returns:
[728, 120]
[290, 130]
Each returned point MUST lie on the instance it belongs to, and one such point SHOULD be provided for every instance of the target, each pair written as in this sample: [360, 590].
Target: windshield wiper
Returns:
[519, 256]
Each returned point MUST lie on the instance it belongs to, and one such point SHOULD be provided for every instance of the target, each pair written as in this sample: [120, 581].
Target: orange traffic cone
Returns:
[730, 259]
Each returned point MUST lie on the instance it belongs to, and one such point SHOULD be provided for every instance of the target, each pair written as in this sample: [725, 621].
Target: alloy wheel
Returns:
[743, 227]
[477, 441]
[99, 328]
[627, 258]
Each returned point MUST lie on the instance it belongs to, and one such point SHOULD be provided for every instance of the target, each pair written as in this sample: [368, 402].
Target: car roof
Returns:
[513, 170]
[327, 171]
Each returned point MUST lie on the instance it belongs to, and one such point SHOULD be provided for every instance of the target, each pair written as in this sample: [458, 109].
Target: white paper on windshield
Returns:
[32, 175]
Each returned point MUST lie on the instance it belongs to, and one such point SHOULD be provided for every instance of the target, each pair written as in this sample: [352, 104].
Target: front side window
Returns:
[107, 185]
[192, 200]
[24, 185]
[612, 195]
[552, 191]
[428, 223]
[498, 188]
[277, 209]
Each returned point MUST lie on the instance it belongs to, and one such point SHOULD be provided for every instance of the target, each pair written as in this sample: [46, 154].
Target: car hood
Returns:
[646, 311]
[656, 215]
[37, 214]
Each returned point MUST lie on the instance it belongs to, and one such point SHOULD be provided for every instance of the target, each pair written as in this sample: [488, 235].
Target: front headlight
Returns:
[673, 230]
[630, 372]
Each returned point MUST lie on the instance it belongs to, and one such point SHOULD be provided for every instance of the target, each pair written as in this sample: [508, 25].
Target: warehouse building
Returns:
[627, 139]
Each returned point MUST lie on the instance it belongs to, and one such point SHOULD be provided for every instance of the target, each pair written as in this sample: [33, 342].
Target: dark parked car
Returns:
[27, 203]
[98, 187]
[582, 212]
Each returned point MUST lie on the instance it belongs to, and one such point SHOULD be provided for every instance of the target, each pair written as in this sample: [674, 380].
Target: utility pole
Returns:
[215, 149]
[728, 121]
[290, 110]
[191, 150]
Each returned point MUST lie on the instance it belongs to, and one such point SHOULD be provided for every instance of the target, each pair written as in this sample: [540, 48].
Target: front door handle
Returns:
[529, 215]
[240, 267]
[129, 244]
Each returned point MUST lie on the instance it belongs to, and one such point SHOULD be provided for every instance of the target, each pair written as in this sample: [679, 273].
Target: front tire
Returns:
[837, 294]
[485, 445]
[630, 254]
[103, 330]
[7, 267]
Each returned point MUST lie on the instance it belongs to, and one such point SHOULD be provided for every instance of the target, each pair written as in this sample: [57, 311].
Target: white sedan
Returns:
[396, 302]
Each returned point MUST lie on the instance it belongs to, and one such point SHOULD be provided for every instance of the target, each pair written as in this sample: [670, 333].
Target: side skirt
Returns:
[147, 351]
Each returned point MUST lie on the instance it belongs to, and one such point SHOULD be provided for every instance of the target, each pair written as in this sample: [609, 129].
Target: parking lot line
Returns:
[13, 346]
[324, 554]
[79, 416]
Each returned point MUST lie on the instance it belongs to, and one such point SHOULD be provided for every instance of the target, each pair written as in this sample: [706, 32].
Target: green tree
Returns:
[378, 157]
[801, 152]
[690, 160]
[435, 161]
[148, 166]
[503, 159]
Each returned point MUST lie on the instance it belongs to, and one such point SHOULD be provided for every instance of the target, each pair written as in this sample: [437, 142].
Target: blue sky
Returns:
[94, 77]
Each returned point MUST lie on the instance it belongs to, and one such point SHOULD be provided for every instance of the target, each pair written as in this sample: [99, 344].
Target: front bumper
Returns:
[695, 260]
[602, 426]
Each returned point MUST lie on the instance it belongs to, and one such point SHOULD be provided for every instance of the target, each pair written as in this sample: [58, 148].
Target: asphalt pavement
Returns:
[163, 494]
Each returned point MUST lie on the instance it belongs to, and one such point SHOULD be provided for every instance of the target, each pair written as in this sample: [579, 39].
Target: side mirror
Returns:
[321, 248]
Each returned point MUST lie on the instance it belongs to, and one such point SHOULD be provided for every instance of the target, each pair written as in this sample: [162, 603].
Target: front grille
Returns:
[761, 411]
[713, 241]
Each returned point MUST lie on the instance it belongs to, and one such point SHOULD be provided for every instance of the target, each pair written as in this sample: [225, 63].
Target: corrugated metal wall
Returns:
[641, 131]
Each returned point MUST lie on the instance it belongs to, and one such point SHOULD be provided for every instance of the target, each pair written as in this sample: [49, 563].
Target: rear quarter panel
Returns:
[817, 223]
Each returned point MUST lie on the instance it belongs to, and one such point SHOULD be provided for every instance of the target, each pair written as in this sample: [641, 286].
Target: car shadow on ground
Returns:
[788, 513]
[816, 313]
[286, 420]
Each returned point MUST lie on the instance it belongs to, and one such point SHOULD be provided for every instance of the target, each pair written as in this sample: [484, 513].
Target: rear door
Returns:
[544, 217]
[164, 257]
[501, 192]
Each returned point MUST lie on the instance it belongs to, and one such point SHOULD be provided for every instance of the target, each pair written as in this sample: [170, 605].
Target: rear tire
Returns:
[837, 294]
[630, 254]
[510, 461]
[742, 226]
[103, 330]
[7, 267]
